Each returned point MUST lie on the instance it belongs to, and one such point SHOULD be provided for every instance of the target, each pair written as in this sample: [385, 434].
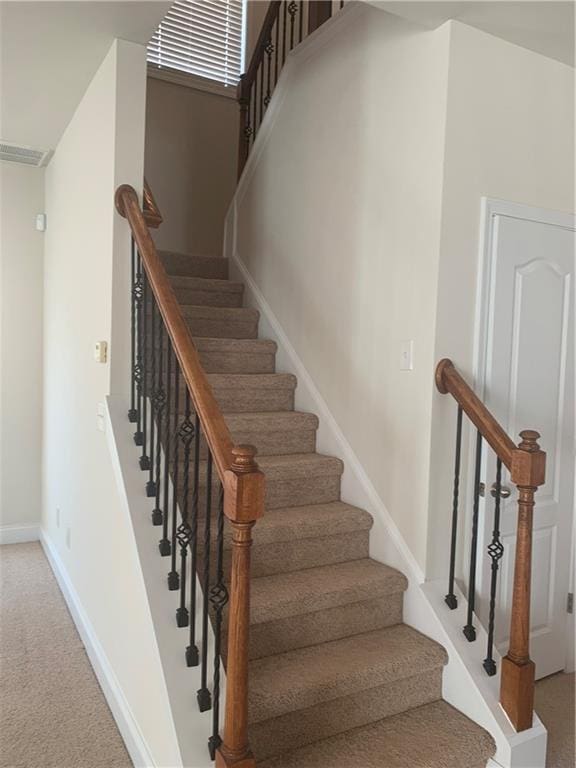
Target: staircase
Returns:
[335, 677]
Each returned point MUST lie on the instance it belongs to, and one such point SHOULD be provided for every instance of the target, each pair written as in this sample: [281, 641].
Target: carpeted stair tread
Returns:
[223, 322]
[238, 381]
[239, 356]
[431, 736]
[248, 393]
[299, 465]
[310, 676]
[314, 589]
[240, 346]
[208, 292]
[193, 265]
[310, 522]
[275, 432]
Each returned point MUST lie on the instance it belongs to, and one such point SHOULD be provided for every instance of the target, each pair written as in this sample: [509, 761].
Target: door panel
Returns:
[529, 383]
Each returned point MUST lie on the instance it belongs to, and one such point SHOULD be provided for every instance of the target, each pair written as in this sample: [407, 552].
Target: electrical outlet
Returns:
[69, 538]
[57, 517]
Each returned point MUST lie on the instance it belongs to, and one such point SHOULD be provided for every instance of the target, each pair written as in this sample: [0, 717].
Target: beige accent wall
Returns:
[339, 225]
[21, 270]
[190, 164]
[87, 251]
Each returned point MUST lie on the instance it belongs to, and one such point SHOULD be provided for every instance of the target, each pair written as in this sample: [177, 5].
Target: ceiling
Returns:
[49, 52]
[544, 26]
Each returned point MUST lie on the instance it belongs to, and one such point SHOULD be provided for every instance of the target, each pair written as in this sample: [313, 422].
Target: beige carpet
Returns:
[52, 711]
[555, 706]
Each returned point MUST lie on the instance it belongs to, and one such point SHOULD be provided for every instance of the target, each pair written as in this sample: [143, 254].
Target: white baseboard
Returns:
[18, 534]
[127, 725]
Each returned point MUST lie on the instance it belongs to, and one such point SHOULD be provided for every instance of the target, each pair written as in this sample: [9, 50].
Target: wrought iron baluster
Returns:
[173, 576]
[301, 21]
[450, 599]
[164, 544]
[261, 99]
[184, 531]
[495, 550]
[133, 413]
[469, 630]
[192, 649]
[137, 292]
[159, 404]
[285, 22]
[292, 10]
[276, 49]
[218, 600]
[204, 698]
[151, 485]
[144, 458]
[269, 51]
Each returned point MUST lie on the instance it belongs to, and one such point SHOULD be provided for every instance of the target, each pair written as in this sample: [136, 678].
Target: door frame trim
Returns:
[489, 209]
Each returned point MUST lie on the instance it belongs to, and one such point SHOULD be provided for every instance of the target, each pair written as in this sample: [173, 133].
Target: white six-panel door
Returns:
[527, 368]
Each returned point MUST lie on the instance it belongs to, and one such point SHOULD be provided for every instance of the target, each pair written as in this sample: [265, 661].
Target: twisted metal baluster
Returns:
[495, 550]
[159, 404]
[137, 293]
[184, 532]
[204, 698]
[218, 599]
[144, 458]
[192, 649]
[151, 485]
[269, 51]
[173, 576]
[292, 10]
[450, 599]
[164, 544]
[469, 630]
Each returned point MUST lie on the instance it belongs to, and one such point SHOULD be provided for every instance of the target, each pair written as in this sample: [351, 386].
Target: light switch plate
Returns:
[101, 351]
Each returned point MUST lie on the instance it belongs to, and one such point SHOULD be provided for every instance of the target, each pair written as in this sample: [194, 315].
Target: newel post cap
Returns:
[528, 461]
[243, 486]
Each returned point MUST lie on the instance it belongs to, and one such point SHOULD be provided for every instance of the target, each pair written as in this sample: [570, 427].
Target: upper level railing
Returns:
[526, 464]
[198, 479]
[285, 25]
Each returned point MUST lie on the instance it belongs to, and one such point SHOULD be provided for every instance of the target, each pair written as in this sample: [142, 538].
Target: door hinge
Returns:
[570, 602]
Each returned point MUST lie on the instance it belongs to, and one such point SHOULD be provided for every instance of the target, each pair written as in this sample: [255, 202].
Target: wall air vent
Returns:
[25, 155]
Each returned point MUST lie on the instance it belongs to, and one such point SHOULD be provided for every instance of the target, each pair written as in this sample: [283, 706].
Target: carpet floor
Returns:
[53, 713]
[554, 703]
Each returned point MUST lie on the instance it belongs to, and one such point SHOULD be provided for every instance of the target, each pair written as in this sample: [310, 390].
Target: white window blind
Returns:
[201, 37]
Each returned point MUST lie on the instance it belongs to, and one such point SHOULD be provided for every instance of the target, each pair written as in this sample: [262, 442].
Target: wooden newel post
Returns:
[528, 472]
[244, 129]
[243, 505]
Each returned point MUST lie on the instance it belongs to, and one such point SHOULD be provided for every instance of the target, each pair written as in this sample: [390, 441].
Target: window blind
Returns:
[201, 37]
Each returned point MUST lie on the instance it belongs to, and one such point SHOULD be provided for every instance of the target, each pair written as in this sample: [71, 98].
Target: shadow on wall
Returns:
[190, 163]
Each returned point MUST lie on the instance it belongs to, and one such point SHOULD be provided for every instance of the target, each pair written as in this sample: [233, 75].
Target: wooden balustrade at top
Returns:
[526, 463]
[242, 481]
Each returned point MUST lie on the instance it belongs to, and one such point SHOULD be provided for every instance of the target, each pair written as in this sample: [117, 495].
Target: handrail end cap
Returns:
[442, 366]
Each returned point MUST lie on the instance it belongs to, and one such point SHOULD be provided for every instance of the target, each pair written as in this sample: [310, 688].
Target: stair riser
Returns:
[297, 554]
[271, 444]
[295, 729]
[227, 362]
[190, 266]
[323, 626]
[247, 400]
[208, 298]
[281, 493]
[222, 329]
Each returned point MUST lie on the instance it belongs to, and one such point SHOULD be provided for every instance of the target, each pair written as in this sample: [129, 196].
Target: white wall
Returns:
[86, 264]
[339, 226]
[21, 246]
[509, 135]
[191, 164]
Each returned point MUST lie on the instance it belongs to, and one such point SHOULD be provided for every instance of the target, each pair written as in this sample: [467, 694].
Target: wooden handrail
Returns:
[242, 481]
[448, 380]
[152, 215]
[527, 465]
[213, 423]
